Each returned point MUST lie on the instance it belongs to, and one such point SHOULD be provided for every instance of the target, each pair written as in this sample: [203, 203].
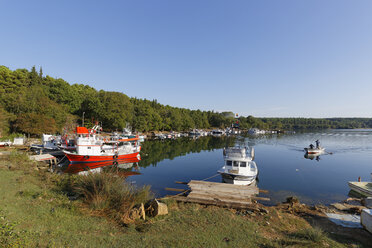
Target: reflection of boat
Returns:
[363, 188]
[239, 167]
[92, 148]
[254, 131]
[312, 156]
[79, 167]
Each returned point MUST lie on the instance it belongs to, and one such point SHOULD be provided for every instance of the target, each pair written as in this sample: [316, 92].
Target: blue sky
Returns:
[262, 58]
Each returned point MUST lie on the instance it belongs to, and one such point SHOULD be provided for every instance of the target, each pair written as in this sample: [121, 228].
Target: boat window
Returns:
[253, 168]
[243, 164]
[229, 162]
[236, 163]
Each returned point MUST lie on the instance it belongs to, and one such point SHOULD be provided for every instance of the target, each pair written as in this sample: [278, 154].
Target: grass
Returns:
[108, 194]
[35, 211]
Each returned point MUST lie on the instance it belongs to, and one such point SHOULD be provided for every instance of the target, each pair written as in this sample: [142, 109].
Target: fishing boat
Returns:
[91, 147]
[363, 188]
[315, 149]
[239, 167]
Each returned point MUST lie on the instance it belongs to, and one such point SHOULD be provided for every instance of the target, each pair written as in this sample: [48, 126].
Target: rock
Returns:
[348, 208]
[292, 199]
[340, 206]
[366, 219]
[367, 202]
[264, 210]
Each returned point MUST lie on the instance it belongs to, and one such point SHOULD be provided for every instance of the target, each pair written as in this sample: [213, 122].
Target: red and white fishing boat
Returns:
[92, 147]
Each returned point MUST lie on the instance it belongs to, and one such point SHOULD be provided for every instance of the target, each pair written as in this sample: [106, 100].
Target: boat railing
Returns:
[238, 152]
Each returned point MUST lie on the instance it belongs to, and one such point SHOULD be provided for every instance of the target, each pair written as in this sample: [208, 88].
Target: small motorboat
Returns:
[315, 149]
[239, 167]
[363, 188]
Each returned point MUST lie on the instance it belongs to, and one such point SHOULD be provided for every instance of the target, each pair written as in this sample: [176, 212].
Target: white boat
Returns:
[254, 131]
[315, 150]
[363, 188]
[239, 167]
[5, 143]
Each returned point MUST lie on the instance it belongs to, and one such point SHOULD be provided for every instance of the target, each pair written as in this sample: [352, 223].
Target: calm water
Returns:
[283, 169]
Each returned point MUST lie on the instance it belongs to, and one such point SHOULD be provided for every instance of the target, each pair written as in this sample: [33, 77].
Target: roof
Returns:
[82, 130]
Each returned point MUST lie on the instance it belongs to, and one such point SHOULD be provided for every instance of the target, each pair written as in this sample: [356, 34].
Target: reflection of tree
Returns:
[154, 151]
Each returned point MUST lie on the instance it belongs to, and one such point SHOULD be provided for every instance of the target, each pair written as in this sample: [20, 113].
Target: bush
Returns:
[109, 193]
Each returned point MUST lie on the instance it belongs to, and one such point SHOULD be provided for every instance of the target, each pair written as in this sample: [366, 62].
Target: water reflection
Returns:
[312, 156]
[121, 166]
[154, 151]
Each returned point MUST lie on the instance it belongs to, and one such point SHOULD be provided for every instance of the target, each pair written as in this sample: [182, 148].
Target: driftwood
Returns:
[156, 208]
[135, 213]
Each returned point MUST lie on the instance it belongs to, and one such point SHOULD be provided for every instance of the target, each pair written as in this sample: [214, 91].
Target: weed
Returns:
[310, 234]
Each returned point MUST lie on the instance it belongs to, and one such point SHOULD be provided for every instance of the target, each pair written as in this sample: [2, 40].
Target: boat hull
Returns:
[314, 151]
[362, 188]
[75, 158]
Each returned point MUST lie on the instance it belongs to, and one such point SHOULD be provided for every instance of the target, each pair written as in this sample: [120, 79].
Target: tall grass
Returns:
[108, 193]
[315, 234]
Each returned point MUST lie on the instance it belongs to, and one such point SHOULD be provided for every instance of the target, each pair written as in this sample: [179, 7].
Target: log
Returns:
[156, 208]
[173, 189]
[260, 198]
[180, 182]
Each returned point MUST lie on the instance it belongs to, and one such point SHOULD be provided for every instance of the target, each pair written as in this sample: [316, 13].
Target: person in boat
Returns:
[311, 146]
[317, 144]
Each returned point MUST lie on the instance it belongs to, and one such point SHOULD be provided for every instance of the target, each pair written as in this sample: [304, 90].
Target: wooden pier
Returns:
[44, 157]
[220, 194]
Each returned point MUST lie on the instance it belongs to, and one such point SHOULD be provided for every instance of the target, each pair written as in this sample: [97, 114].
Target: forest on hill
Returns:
[32, 103]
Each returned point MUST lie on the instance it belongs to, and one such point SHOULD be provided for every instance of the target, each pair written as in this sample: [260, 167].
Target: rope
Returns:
[210, 177]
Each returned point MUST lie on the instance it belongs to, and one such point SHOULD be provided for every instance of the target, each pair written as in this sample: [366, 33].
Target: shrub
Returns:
[109, 193]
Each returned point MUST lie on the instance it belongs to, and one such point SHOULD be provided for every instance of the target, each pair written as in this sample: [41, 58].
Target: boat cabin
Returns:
[240, 166]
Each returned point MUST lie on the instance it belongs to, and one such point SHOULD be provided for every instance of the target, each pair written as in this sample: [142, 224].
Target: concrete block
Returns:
[366, 219]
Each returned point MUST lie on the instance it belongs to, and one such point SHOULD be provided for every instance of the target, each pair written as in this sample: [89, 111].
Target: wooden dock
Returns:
[220, 194]
[44, 157]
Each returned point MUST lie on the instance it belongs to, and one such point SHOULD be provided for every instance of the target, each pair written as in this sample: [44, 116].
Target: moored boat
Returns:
[91, 147]
[239, 167]
[363, 188]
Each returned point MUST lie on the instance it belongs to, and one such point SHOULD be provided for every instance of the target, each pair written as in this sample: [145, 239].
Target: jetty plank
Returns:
[219, 198]
[213, 202]
[221, 194]
[42, 157]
